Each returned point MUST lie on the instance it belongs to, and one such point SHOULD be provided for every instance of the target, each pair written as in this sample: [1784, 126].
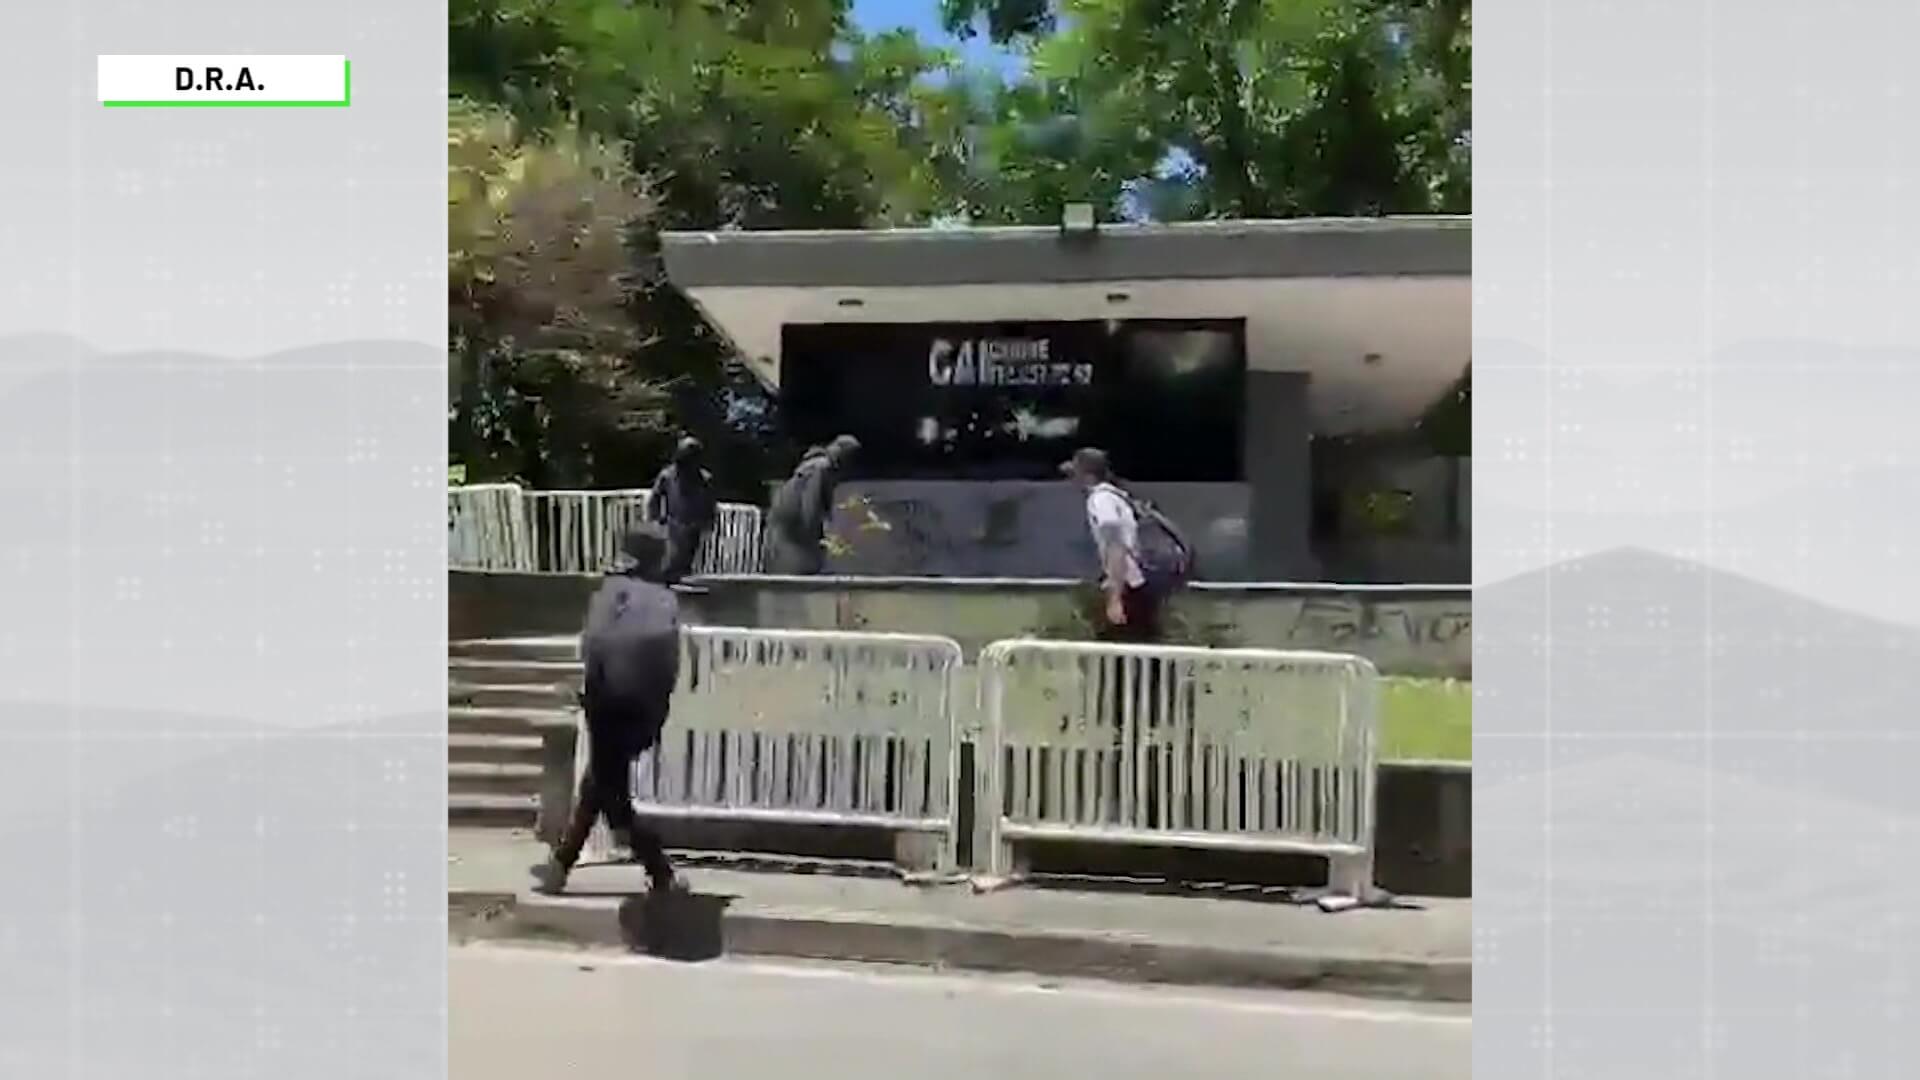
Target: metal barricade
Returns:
[807, 727]
[1249, 749]
[486, 528]
[503, 527]
[733, 547]
[578, 532]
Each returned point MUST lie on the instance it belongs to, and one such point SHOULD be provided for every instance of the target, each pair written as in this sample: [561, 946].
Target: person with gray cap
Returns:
[803, 508]
[1143, 558]
[631, 650]
[1136, 575]
[682, 501]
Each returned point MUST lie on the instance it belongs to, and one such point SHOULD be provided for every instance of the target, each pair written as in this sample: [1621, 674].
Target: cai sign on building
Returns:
[1218, 363]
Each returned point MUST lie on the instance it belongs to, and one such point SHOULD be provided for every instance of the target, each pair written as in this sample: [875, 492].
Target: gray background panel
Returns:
[222, 550]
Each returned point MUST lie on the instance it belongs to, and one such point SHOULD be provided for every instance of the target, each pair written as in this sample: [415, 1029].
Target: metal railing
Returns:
[808, 727]
[487, 528]
[1214, 748]
[578, 532]
[1247, 749]
[736, 545]
[504, 527]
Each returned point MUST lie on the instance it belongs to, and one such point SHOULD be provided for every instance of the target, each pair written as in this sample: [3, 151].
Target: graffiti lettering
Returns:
[1343, 620]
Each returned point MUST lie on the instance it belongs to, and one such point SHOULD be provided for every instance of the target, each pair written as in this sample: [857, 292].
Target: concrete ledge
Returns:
[1423, 831]
[705, 927]
[1422, 630]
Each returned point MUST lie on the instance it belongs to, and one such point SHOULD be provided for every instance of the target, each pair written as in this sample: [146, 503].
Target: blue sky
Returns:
[923, 18]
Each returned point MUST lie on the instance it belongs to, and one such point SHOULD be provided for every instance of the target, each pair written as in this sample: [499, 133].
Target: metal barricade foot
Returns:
[1351, 876]
[918, 853]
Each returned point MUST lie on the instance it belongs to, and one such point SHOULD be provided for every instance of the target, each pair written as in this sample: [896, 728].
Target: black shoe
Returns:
[551, 877]
[662, 879]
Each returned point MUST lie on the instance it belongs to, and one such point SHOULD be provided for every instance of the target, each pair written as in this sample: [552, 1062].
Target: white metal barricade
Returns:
[486, 528]
[502, 527]
[807, 727]
[578, 532]
[1214, 748]
[733, 547]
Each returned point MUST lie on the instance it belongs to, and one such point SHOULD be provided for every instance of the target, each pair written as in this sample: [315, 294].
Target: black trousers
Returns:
[683, 546]
[793, 555]
[606, 792]
[1142, 627]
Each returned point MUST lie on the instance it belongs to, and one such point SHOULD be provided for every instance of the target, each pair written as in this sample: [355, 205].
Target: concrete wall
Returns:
[1404, 631]
[1423, 843]
[502, 603]
[1424, 829]
[1433, 543]
[1278, 463]
[1020, 528]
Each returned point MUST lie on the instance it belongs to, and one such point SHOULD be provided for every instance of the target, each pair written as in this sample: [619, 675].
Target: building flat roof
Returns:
[1436, 246]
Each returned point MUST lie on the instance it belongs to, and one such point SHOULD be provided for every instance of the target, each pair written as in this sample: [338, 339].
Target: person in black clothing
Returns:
[682, 502]
[803, 507]
[631, 648]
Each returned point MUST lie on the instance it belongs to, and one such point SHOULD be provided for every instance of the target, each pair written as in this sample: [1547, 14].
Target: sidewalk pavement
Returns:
[1227, 938]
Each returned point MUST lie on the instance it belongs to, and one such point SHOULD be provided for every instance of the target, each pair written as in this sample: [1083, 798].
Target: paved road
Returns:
[520, 1013]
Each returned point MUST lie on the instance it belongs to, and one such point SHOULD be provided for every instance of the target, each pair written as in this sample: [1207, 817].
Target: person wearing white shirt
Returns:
[1132, 611]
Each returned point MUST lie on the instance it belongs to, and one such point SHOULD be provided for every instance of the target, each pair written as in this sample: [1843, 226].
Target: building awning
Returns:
[1377, 311]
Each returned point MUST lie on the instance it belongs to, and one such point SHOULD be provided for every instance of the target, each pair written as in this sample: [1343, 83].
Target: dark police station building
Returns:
[1260, 380]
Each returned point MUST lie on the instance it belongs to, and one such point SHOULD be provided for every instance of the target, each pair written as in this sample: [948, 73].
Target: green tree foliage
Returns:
[1009, 153]
[1263, 108]
[738, 115]
[539, 291]
[745, 114]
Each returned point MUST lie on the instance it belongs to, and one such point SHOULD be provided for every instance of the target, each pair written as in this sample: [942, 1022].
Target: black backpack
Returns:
[1166, 558]
[631, 652]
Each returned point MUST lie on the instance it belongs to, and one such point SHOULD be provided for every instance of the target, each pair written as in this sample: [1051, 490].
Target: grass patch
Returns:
[1426, 719]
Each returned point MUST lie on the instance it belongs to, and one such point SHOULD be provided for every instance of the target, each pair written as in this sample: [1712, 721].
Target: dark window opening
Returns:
[1011, 400]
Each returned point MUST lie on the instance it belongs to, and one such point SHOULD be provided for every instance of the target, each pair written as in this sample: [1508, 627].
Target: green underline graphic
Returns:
[346, 99]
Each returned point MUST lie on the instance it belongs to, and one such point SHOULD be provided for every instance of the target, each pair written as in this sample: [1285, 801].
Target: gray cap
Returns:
[1088, 461]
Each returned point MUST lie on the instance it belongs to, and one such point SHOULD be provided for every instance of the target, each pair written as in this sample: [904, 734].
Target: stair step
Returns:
[492, 778]
[510, 811]
[508, 749]
[503, 672]
[485, 720]
[541, 649]
[512, 696]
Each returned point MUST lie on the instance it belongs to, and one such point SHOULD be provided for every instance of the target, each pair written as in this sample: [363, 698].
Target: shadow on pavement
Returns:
[675, 925]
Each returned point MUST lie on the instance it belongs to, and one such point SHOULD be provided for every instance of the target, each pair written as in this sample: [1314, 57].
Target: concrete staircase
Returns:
[496, 690]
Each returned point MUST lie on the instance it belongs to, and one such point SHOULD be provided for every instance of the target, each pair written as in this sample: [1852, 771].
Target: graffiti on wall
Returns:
[1346, 620]
[1414, 636]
